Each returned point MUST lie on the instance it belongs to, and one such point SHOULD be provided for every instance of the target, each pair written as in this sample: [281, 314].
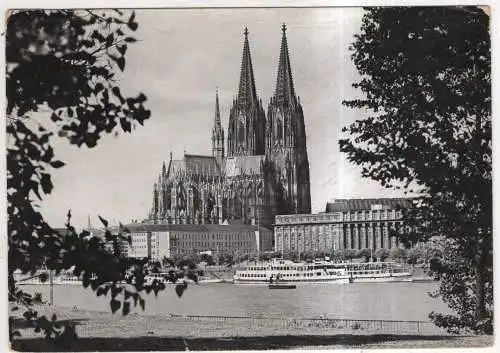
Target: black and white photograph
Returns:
[209, 177]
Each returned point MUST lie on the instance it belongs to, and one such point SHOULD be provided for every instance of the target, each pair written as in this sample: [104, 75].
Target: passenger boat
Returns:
[324, 271]
[289, 271]
[374, 271]
[161, 277]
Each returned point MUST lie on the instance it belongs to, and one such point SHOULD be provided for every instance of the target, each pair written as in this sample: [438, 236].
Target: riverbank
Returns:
[102, 331]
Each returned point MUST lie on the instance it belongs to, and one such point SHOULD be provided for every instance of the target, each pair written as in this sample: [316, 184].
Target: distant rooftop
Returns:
[347, 205]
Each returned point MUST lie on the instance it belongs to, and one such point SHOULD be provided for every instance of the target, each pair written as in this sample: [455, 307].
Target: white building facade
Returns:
[346, 224]
[157, 241]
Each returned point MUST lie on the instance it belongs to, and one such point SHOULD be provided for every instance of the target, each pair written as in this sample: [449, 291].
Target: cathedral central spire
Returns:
[217, 132]
[217, 110]
[284, 82]
[246, 89]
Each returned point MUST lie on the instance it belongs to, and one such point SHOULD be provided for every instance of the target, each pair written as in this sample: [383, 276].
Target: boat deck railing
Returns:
[329, 324]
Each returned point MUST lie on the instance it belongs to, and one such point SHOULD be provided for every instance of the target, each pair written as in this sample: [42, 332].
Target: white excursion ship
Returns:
[323, 272]
[289, 271]
[374, 271]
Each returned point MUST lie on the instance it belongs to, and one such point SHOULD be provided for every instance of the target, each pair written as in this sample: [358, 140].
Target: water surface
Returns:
[380, 301]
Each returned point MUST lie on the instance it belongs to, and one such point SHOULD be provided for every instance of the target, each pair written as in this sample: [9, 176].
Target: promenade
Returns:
[104, 331]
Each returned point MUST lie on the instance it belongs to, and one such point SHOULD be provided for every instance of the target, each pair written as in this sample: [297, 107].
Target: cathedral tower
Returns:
[286, 140]
[246, 128]
[217, 133]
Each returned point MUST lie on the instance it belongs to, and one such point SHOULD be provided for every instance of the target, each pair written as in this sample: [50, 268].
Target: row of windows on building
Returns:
[157, 244]
[199, 244]
[336, 237]
[213, 236]
[345, 216]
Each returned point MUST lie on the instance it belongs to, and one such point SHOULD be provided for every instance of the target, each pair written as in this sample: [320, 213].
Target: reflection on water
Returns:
[382, 301]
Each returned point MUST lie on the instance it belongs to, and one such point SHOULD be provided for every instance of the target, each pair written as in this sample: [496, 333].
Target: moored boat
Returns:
[289, 271]
[162, 277]
[324, 272]
[61, 279]
[375, 271]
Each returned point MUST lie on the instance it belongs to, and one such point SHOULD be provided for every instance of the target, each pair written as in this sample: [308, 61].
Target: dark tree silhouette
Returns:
[381, 254]
[426, 83]
[61, 70]
[366, 254]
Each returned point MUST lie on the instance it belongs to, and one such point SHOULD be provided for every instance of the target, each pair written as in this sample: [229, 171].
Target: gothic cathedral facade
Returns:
[264, 171]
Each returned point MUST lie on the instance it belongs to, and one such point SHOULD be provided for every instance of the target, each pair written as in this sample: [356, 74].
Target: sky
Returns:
[181, 57]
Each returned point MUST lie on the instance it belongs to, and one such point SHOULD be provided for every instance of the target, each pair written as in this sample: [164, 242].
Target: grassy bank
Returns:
[103, 331]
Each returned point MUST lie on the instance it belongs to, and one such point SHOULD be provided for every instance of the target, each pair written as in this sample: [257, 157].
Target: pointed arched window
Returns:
[279, 128]
[241, 131]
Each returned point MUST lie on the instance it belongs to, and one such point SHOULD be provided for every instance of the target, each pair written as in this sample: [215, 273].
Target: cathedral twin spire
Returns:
[284, 93]
[247, 120]
[246, 90]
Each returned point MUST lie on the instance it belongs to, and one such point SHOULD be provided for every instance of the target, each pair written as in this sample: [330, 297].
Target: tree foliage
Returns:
[366, 254]
[381, 254]
[61, 79]
[426, 84]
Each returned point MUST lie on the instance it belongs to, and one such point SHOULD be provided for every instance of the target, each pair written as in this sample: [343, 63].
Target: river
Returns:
[380, 301]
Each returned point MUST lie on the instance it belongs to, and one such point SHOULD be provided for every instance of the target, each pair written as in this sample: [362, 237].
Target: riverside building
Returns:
[346, 224]
[165, 240]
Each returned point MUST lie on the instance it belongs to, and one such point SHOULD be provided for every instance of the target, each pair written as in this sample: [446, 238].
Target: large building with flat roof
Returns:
[165, 240]
[345, 224]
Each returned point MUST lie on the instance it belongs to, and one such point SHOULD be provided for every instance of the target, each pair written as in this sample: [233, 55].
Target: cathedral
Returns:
[263, 170]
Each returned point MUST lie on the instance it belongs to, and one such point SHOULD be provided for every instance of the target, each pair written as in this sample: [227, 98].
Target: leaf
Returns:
[192, 276]
[125, 124]
[99, 87]
[103, 221]
[115, 291]
[122, 49]
[179, 289]
[132, 25]
[109, 39]
[43, 277]
[126, 308]
[28, 315]
[121, 63]
[130, 40]
[35, 189]
[116, 92]
[108, 236]
[57, 164]
[86, 280]
[141, 98]
[115, 305]
[46, 183]
[132, 17]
